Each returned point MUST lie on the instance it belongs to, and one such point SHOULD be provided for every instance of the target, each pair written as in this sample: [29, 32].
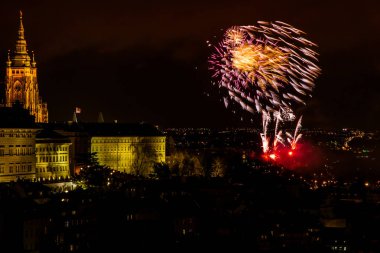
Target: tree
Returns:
[218, 168]
[95, 176]
[175, 162]
[88, 159]
[185, 164]
[197, 169]
[171, 146]
[161, 170]
[143, 157]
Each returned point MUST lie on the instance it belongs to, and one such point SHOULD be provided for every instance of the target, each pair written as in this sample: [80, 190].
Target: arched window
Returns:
[17, 92]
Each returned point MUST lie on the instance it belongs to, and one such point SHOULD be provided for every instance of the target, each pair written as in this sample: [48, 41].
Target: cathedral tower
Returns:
[21, 80]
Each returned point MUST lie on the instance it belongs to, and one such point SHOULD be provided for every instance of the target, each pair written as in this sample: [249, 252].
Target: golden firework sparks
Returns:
[261, 63]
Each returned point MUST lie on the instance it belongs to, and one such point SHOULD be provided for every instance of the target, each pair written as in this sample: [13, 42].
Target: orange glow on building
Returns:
[21, 80]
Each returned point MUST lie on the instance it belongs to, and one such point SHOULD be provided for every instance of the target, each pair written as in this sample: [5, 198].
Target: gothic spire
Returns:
[21, 42]
[21, 56]
[21, 35]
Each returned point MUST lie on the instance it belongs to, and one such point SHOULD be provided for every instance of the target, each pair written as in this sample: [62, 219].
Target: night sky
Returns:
[147, 60]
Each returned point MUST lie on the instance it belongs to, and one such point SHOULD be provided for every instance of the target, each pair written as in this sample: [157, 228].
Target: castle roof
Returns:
[49, 136]
[110, 129]
[16, 117]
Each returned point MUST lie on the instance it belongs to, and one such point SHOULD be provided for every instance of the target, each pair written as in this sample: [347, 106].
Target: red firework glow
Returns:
[303, 156]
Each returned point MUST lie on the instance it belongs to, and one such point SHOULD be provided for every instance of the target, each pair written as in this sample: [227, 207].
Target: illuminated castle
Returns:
[21, 80]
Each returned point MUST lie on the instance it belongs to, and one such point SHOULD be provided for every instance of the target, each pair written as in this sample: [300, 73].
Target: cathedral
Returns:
[21, 80]
[54, 151]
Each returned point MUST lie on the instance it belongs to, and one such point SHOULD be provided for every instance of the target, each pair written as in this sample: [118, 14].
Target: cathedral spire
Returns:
[21, 79]
[21, 42]
[21, 56]
[21, 35]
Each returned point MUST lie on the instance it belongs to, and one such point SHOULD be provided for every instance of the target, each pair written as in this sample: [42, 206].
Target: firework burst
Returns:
[269, 69]
[266, 68]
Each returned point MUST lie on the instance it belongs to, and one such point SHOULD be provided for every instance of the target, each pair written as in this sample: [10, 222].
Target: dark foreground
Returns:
[259, 212]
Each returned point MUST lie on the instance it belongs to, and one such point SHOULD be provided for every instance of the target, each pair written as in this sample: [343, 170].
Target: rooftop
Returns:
[16, 117]
[110, 129]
